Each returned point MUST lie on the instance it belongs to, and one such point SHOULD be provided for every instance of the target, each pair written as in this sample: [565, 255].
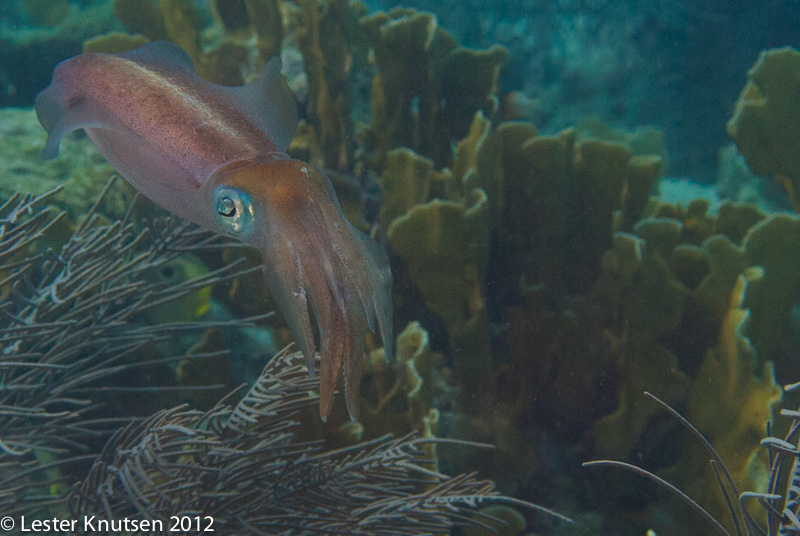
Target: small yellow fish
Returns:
[185, 308]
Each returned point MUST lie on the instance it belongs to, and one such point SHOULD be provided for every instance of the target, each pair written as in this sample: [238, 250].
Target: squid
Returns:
[216, 156]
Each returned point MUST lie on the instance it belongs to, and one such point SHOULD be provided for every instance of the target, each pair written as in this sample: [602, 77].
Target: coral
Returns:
[405, 43]
[526, 178]
[724, 262]
[405, 182]
[643, 175]
[498, 160]
[778, 511]
[466, 152]
[141, 17]
[648, 161]
[726, 333]
[522, 190]
[635, 303]
[305, 145]
[689, 280]
[114, 42]
[643, 278]
[445, 247]
[183, 24]
[81, 170]
[745, 467]
[428, 88]
[398, 395]
[326, 36]
[242, 467]
[536, 182]
[600, 172]
[180, 22]
[772, 297]
[730, 402]
[259, 18]
[736, 219]
[764, 121]
[737, 182]
[640, 141]
[640, 301]
[467, 83]
[70, 326]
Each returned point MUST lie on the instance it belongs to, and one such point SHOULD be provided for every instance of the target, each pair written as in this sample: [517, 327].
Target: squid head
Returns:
[315, 261]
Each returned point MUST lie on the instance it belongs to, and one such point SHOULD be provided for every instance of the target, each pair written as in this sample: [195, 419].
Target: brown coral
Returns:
[428, 88]
[764, 123]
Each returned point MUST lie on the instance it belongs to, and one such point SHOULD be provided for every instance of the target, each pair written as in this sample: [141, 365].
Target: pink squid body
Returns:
[216, 156]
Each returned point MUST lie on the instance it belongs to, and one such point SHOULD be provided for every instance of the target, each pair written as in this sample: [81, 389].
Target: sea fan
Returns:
[781, 502]
[66, 326]
[240, 471]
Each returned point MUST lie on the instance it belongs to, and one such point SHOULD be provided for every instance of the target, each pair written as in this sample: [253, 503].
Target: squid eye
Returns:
[226, 207]
[234, 211]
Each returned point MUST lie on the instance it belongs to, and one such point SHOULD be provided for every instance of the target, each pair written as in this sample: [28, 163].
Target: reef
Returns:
[777, 512]
[648, 296]
[428, 88]
[34, 41]
[541, 285]
[763, 123]
[240, 466]
[72, 341]
[80, 175]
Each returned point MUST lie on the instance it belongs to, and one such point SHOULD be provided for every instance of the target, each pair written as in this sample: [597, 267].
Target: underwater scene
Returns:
[453, 267]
